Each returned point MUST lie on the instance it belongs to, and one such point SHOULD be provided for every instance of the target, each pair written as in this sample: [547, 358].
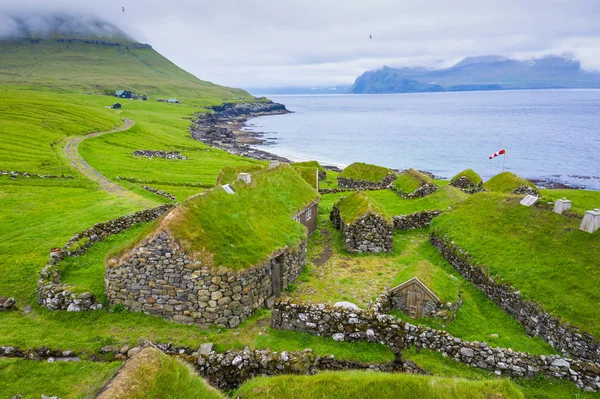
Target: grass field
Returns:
[542, 254]
[364, 384]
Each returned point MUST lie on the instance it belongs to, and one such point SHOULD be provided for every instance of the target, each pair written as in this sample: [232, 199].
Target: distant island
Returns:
[480, 73]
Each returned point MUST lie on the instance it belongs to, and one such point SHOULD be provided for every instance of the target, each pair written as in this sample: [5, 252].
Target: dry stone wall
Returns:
[159, 154]
[354, 184]
[160, 192]
[465, 184]
[358, 325]
[369, 233]
[54, 295]
[526, 190]
[423, 191]
[415, 220]
[569, 340]
[159, 278]
[15, 174]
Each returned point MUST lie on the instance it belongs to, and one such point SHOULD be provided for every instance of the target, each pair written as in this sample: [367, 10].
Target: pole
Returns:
[503, 161]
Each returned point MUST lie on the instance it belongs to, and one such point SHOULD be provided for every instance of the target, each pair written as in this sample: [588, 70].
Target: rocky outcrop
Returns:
[159, 154]
[415, 220]
[359, 325]
[249, 109]
[569, 340]
[356, 184]
[6, 303]
[54, 295]
[158, 277]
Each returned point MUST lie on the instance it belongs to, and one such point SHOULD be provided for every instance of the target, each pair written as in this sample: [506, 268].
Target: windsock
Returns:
[501, 152]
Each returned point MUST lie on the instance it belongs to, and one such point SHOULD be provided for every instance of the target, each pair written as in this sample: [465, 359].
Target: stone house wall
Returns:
[423, 191]
[159, 278]
[359, 325]
[415, 220]
[369, 233]
[54, 295]
[465, 184]
[564, 337]
[354, 184]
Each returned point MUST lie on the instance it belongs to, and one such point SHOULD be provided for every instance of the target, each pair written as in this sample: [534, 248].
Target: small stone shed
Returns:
[364, 176]
[414, 298]
[364, 226]
[468, 181]
[217, 257]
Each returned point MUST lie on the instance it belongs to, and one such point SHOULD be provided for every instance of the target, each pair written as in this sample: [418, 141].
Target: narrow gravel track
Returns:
[71, 146]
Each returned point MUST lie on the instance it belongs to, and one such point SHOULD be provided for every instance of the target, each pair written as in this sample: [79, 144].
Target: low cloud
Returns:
[254, 43]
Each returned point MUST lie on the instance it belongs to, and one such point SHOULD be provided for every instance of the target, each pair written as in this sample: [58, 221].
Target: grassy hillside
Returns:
[361, 384]
[95, 69]
[542, 254]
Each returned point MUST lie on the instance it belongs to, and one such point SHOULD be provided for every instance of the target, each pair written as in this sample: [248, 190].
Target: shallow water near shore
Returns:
[548, 134]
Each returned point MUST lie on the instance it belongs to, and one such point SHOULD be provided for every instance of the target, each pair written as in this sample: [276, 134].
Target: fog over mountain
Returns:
[323, 43]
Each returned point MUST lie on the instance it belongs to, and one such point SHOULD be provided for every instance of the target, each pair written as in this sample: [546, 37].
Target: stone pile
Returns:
[159, 154]
[54, 295]
[160, 192]
[569, 340]
[362, 185]
[358, 325]
[158, 277]
[6, 303]
[15, 174]
[415, 220]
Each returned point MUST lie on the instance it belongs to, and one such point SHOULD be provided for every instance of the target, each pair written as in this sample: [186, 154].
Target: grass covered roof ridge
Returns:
[507, 182]
[469, 174]
[410, 180]
[357, 204]
[241, 230]
[365, 171]
[310, 163]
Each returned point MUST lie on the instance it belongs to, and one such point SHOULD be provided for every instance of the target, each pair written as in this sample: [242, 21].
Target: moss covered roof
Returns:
[309, 174]
[242, 229]
[314, 164]
[364, 171]
[469, 174]
[357, 204]
[506, 182]
[230, 173]
[410, 180]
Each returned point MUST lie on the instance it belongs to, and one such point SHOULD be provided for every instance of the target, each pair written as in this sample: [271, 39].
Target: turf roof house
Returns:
[414, 184]
[468, 181]
[363, 176]
[364, 226]
[219, 256]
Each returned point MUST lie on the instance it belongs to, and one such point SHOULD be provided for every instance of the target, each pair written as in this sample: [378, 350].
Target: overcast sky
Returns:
[272, 43]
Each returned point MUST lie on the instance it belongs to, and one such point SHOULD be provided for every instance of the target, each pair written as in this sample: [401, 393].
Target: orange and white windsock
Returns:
[501, 152]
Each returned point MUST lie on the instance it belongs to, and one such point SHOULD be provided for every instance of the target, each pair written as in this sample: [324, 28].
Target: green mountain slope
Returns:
[97, 66]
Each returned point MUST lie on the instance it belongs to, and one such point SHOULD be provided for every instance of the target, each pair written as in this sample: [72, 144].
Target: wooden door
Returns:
[414, 304]
[276, 278]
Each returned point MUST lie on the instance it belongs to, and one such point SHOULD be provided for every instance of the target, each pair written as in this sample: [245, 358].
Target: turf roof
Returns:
[310, 163]
[357, 204]
[469, 174]
[506, 182]
[243, 229]
[309, 174]
[365, 171]
[411, 180]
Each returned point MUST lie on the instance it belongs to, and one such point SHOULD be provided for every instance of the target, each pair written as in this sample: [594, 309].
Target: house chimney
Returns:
[562, 205]
[245, 177]
[273, 164]
[591, 221]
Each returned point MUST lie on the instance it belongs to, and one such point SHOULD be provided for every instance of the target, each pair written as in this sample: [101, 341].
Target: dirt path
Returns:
[327, 251]
[71, 146]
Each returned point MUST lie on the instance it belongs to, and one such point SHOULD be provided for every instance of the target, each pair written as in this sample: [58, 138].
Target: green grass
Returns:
[364, 384]
[506, 182]
[410, 180]
[582, 200]
[243, 229]
[469, 174]
[229, 174]
[357, 204]
[32, 378]
[330, 179]
[542, 254]
[309, 174]
[313, 164]
[364, 171]
[393, 204]
[152, 374]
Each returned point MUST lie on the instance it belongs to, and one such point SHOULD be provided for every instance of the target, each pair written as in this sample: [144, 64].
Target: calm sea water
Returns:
[546, 133]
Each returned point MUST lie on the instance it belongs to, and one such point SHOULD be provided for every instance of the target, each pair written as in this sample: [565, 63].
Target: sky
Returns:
[316, 43]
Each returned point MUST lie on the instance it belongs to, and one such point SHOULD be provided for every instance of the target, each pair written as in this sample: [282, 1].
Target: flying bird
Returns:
[123, 9]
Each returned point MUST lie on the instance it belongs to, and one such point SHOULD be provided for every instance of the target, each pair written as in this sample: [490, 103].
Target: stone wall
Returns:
[369, 233]
[465, 184]
[346, 190]
[54, 295]
[15, 174]
[388, 301]
[159, 154]
[565, 338]
[159, 278]
[358, 325]
[160, 192]
[423, 191]
[526, 190]
[415, 220]
[353, 184]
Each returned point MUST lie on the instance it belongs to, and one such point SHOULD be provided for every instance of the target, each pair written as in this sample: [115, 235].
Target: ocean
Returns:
[547, 134]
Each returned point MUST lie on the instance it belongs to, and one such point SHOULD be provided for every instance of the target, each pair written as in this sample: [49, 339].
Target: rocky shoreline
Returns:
[223, 128]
